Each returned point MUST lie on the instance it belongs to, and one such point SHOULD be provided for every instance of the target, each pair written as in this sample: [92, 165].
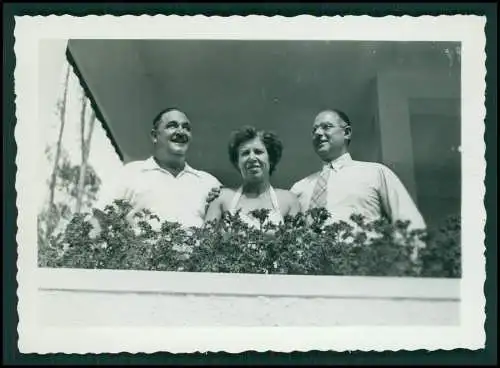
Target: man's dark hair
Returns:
[271, 141]
[343, 116]
[157, 118]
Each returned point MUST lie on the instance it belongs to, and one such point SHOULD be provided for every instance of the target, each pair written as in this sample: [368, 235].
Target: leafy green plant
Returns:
[303, 244]
[443, 253]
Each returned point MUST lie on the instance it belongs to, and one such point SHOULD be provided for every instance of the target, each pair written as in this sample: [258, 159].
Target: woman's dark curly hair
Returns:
[271, 141]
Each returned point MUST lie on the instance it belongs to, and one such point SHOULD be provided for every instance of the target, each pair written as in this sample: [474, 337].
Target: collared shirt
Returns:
[366, 188]
[146, 185]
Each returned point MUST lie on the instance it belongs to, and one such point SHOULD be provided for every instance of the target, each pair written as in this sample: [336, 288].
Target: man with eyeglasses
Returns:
[345, 186]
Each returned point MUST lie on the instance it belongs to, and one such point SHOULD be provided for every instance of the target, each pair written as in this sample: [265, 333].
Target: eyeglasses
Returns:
[328, 126]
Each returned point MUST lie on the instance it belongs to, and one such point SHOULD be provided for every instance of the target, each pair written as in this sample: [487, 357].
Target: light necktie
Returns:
[318, 198]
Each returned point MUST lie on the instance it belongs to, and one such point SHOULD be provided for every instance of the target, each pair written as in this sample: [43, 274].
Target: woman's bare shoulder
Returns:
[220, 204]
[287, 200]
[285, 194]
[227, 192]
[226, 195]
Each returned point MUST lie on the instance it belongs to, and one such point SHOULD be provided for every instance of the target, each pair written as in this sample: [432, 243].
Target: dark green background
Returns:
[11, 354]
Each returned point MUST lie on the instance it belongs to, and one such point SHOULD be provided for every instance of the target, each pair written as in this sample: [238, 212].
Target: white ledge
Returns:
[127, 281]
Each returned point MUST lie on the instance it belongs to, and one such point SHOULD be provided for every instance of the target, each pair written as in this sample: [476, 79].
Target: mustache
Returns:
[318, 140]
[179, 138]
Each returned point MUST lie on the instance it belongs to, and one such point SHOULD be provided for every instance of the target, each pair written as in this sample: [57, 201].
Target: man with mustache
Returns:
[164, 183]
[345, 186]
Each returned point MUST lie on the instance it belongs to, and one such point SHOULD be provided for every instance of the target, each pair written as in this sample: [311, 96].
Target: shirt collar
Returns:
[340, 161]
[150, 164]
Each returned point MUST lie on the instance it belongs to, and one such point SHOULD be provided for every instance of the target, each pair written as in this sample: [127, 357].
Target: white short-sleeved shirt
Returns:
[367, 188]
[146, 185]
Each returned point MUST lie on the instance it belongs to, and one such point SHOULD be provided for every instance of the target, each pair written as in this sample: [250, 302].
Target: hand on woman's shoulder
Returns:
[225, 197]
[219, 205]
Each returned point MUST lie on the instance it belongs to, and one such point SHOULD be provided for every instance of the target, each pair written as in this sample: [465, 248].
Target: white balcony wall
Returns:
[105, 298]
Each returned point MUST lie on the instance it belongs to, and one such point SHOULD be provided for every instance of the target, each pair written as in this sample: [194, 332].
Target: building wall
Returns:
[419, 124]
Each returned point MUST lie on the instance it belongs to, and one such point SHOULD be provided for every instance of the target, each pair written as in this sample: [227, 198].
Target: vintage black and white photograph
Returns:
[294, 180]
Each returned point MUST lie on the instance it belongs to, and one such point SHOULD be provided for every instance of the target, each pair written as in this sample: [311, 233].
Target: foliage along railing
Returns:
[304, 244]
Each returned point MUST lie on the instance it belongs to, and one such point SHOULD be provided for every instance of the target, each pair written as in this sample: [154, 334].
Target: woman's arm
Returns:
[289, 202]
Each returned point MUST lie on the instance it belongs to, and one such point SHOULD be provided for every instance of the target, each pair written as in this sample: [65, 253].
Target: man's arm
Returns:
[298, 190]
[398, 205]
[214, 193]
[111, 191]
[117, 188]
[295, 188]
[214, 210]
[295, 206]
[397, 202]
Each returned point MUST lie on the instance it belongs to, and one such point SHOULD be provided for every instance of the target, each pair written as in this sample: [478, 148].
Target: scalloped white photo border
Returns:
[469, 30]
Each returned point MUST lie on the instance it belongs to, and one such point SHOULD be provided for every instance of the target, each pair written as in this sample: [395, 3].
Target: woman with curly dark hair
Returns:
[255, 155]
